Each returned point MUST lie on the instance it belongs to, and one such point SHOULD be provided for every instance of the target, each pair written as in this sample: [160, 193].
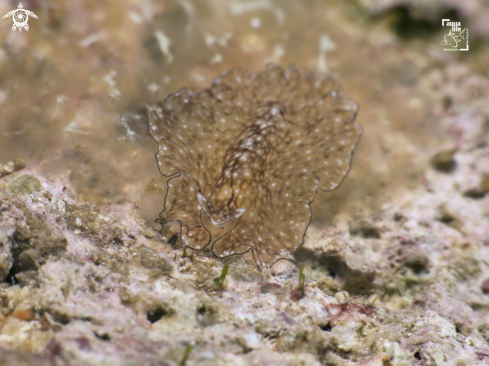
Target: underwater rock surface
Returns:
[395, 260]
[404, 286]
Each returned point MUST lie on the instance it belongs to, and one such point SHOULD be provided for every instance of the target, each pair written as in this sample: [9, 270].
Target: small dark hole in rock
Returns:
[85, 319]
[156, 314]
[370, 232]
[365, 230]
[173, 239]
[475, 193]
[207, 315]
[398, 217]
[418, 263]
[104, 336]
[117, 241]
[10, 280]
[446, 218]
[326, 328]
[408, 24]
[61, 318]
[417, 356]
[444, 162]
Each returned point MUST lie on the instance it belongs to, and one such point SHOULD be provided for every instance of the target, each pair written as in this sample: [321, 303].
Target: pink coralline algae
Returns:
[246, 157]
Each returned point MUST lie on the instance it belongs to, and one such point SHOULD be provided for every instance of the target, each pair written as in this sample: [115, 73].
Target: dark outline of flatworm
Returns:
[157, 110]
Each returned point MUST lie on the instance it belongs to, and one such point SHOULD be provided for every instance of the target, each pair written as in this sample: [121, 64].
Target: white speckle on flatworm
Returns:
[254, 148]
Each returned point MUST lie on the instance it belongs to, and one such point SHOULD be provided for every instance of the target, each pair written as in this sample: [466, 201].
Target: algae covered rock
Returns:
[33, 242]
[6, 259]
[24, 184]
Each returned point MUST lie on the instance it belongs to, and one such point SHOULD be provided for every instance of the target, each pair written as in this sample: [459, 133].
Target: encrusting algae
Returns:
[247, 156]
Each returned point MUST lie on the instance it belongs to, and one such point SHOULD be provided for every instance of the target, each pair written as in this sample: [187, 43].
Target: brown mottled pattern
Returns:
[247, 156]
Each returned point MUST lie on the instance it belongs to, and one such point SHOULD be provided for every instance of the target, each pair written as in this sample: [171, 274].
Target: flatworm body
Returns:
[246, 157]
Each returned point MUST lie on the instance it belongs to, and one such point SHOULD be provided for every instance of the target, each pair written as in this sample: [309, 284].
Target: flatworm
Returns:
[246, 157]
